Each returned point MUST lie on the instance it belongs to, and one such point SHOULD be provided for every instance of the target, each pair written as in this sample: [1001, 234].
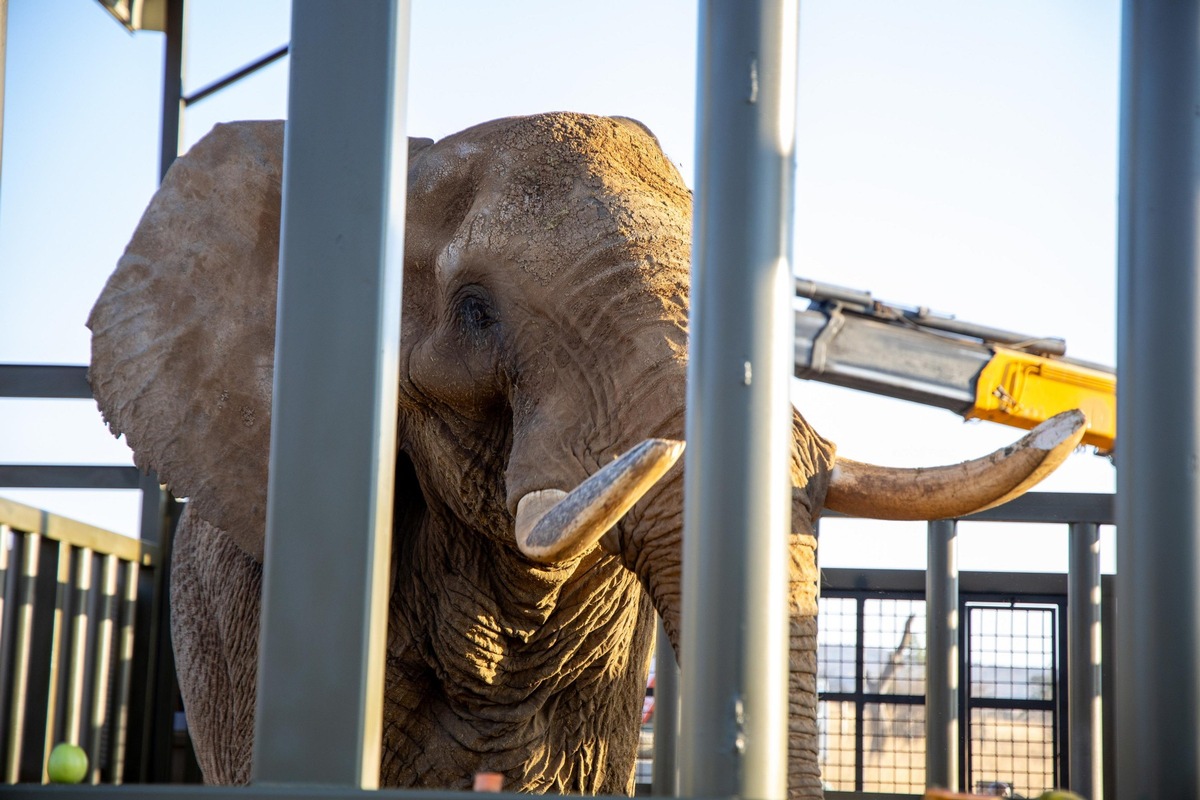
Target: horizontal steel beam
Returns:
[1047, 507]
[52, 381]
[59, 476]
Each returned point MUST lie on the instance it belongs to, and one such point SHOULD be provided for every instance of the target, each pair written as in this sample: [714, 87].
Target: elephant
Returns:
[538, 497]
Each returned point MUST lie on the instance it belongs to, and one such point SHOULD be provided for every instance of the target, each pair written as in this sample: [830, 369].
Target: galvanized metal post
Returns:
[666, 718]
[1085, 726]
[941, 663]
[329, 511]
[734, 656]
[1158, 401]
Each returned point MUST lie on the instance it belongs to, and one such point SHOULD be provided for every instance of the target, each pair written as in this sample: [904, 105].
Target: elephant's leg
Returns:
[804, 778]
[215, 596]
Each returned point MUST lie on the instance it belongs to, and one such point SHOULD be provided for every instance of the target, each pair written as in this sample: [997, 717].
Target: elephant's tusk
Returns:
[554, 526]
[866, 490]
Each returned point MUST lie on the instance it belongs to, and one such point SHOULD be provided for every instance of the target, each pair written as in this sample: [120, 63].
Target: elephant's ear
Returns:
[183, 335]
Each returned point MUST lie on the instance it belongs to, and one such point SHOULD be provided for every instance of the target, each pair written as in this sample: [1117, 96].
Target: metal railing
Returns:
[75, 601]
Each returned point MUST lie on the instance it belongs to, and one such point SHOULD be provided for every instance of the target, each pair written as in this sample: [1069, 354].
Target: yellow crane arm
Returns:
[1023, 390]
[846, 337]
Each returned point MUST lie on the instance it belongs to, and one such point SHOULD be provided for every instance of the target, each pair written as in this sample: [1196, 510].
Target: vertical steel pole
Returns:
[941, 668]
[333, 436]
[738, 496]
[1158, 482]
[1085, 726]
[171, 126]
[666, 718]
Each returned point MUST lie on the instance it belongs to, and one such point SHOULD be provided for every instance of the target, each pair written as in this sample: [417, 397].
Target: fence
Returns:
[1013, 697]
[74, 598]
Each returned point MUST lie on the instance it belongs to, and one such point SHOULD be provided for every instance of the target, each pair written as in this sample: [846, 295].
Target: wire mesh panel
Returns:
[838, 723]
[837, 644]
[1013, 696]
[871, 671]
[894, 646]
[894, 757]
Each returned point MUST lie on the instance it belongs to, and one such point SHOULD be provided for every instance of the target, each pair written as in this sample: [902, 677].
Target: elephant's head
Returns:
[541, 408]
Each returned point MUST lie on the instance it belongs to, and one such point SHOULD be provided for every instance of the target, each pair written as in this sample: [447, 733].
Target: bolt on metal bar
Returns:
[1158, 350]
[942, 657]
[1084, 725]
[333, 437]
[734, 654]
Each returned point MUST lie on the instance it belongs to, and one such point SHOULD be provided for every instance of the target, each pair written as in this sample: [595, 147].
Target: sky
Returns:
[957, 156]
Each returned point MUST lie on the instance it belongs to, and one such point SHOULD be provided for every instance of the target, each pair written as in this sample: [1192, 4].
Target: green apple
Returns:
[1059, 794]
[68, 763]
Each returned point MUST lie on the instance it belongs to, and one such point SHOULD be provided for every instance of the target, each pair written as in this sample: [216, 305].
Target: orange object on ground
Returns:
[489, 782]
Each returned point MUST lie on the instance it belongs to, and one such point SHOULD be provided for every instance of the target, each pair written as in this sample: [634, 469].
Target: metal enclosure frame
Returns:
[1159, 718]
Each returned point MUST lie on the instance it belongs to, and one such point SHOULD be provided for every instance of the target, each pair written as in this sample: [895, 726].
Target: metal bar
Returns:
[63, 476]
[1064, 507]
[734, 657]
[125, 649]
[50, 381]
[171, 121]
[1108, 611]
[942, 665]
[37, 688]
[345, 181]
[81, 588]
[106, 620]
[154, 512]
[9, 548]
[58, 652]
[666, 717]
[860, 689]
[151, 705]
[22, 642]
[78, 534]
[234, 77]
[1158, 350]
[1084, 697]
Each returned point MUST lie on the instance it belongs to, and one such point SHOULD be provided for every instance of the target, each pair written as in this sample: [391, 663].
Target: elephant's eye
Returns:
[475, 314]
